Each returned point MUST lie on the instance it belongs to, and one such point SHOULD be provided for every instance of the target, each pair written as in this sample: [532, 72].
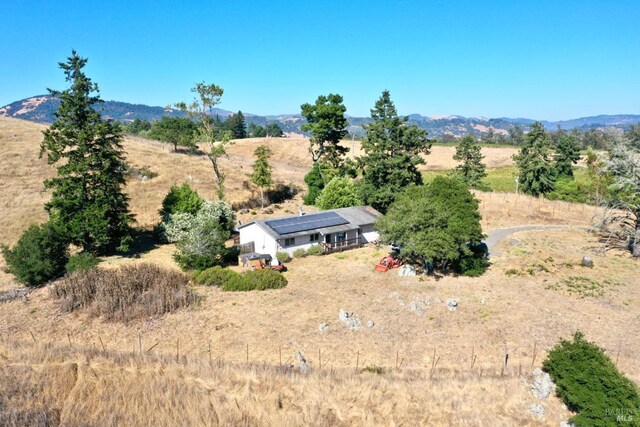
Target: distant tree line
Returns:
[597, 139]
[181, 132]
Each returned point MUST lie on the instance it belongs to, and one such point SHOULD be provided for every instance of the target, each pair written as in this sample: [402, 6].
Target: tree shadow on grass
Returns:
[144, 241]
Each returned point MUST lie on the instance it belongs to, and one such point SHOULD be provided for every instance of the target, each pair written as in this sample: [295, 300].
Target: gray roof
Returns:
[357, 217]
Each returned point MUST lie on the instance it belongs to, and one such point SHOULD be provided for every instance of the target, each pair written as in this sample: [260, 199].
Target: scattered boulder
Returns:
[303, 365]
[370, 324]
[418, 306]
[407, 270]
[349, 319]
[452, 304]
[537, 410]
[483, 301]
[542, 384]
[586, 261]
[324, 327]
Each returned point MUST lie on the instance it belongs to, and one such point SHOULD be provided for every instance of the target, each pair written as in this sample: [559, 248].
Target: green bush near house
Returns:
[300, 253]
[315, 250]
[215, 276]
[590, 384]
[283, 256]
[255, 280]
[230, 281]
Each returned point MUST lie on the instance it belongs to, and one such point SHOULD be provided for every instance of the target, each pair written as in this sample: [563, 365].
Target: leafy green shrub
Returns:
[128, 292]
[202, 237]
[590, 384]
[283, 256]
[82, 262]
[255, 280]
[340, 192]
[472, 265]
[177, 226]
[198, 262]
[571, 190]
[300, 253]
[315, 250]
[181, 199]
[39, 255]
[215, 276]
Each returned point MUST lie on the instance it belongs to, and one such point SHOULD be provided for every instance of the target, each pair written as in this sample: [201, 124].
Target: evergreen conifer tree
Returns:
[471, 171]
[536, 171]
[567, 154]
[261, 175]
[87, 201]
[236, 124]
[393, 151]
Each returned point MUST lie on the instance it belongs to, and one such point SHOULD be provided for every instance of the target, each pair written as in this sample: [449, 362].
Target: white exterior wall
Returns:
[302, 242]
[369, 233]
[264, 243]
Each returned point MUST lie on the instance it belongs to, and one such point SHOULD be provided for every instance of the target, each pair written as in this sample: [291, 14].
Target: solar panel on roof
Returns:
[306, 222]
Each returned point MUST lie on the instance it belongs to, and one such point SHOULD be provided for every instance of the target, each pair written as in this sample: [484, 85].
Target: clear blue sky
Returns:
[538, 59]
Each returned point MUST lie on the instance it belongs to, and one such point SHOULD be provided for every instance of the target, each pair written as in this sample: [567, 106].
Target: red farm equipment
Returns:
[388, 262]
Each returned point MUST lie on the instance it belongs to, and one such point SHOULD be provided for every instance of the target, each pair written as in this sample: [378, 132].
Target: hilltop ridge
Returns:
[41, 109]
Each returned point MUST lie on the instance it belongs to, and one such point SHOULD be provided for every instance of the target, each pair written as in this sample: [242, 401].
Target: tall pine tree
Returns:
[87, 200]
[471, 171]
[393, 150]
[536, 171]
[261, 175]
[236, 124]
[567, 153]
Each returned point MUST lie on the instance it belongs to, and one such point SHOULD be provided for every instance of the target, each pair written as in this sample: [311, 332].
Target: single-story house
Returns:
[335, 229]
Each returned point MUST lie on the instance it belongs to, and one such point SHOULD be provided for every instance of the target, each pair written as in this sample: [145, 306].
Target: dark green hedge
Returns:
[590, 385]
[229, 280]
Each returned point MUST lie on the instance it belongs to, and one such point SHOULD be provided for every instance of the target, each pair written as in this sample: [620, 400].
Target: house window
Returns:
[290, 241]
[359, 231]
[314, 237]
[341, 237]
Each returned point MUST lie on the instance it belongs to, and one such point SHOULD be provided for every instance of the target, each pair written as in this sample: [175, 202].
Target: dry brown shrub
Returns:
[132, 291]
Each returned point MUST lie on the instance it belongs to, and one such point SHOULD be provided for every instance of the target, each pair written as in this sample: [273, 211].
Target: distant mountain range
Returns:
[41, 109]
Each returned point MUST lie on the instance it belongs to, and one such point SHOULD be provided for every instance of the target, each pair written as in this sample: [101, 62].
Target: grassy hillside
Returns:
[424, 363]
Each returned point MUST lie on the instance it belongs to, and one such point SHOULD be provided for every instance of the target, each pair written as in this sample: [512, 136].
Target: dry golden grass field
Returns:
[224, 361]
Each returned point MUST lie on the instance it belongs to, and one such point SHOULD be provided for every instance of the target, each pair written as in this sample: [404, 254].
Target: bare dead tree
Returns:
[619, 225]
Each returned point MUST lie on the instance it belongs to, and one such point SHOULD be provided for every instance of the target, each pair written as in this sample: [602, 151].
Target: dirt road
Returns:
[495, 236]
